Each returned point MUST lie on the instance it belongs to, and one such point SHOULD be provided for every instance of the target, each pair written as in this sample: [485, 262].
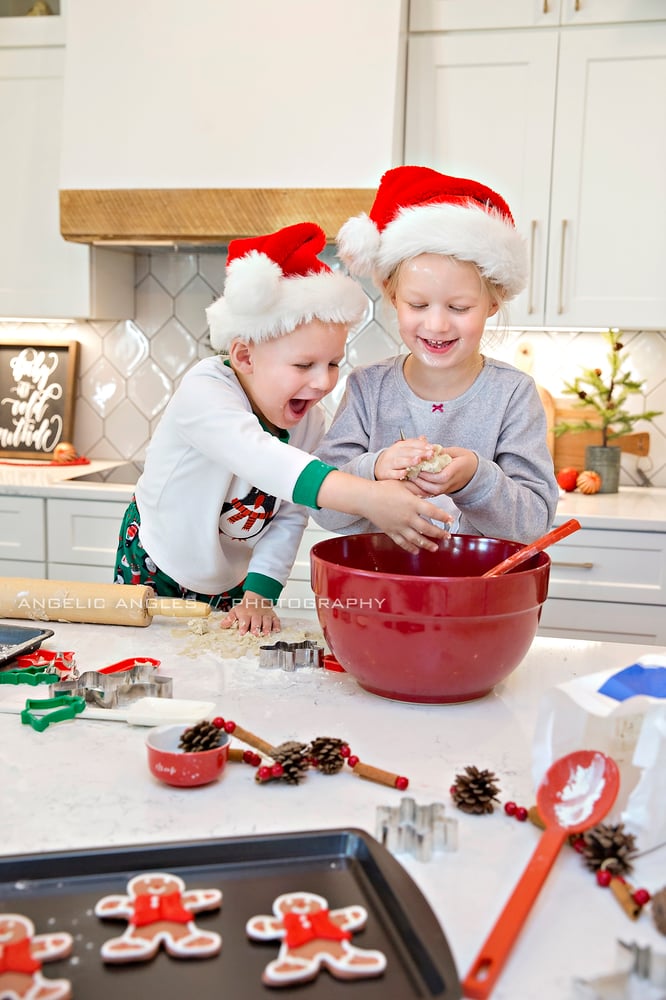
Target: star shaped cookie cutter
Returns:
[117, 685]
[290, 655]
[418, 830]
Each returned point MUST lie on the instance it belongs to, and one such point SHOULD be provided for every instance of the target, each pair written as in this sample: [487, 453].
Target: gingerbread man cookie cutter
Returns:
[160, 912]
[22, 953]
[290, 655]
[118, 685]
[312, 938]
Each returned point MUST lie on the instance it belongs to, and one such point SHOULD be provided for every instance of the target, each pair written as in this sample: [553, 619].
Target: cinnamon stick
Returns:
[245, 736]
[624, 894]
[380, 776]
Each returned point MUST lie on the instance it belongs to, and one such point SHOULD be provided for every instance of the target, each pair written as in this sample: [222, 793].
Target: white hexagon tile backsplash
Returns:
[129, 370]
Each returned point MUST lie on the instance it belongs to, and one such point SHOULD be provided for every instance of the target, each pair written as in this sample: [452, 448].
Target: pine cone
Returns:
[201, 736]
[293, 757]
[607, 844]
[325, 755]
[475, 790]
[659, 910]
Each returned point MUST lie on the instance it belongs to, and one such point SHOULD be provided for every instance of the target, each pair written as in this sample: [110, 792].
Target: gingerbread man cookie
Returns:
[313, 937]
[21, 955]
[159, 911]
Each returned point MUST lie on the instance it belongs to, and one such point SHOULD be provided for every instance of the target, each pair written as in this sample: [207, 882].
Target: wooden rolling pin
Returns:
[94, 603]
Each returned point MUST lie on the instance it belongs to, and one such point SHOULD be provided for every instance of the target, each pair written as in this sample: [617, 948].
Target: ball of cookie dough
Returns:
[438, 462]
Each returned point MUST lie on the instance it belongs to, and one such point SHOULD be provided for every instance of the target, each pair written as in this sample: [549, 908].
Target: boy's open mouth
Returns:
[298, 406]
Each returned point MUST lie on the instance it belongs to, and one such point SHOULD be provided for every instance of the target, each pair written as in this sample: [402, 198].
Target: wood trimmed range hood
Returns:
[227, 119]
[201, 217]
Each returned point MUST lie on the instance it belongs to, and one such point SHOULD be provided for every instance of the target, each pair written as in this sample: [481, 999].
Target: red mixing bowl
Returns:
[427, 627]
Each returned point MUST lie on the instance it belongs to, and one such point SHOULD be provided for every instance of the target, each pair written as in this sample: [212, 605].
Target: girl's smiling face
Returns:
[288, 375]
[442, 306]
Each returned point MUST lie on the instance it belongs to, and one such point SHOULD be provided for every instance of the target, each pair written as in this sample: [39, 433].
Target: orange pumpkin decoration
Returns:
[588, 481]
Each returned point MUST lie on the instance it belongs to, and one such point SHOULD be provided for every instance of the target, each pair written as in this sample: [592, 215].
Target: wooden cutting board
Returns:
[569, 448]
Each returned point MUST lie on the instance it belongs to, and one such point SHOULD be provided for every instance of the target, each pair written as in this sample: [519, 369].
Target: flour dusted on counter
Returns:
[580, 793]
[204, 635]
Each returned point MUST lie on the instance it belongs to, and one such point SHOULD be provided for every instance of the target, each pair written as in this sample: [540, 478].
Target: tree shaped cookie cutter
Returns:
[419, 830]
[290, 655]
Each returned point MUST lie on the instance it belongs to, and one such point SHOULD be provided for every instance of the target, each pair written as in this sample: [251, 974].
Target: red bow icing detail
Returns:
[151, 907]
[17, 957]
[301, 928]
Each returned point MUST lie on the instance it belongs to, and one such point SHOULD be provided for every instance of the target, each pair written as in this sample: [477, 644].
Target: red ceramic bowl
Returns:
[176, 767]
[427, 627]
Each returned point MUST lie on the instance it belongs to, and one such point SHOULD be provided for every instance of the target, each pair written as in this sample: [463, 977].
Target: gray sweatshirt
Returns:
[513, 493]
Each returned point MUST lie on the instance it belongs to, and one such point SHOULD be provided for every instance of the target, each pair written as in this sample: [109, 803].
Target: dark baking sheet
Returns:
[58, 892]
[19, 640]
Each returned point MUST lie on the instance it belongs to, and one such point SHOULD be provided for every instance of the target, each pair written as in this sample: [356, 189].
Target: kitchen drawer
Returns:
[81, 573]
[15, 567]
[620, 566]
[597, 621]
[84, 532]
[22, 529]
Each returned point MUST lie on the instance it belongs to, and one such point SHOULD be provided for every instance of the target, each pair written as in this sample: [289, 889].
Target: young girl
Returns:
[447, 255]
[220, 507]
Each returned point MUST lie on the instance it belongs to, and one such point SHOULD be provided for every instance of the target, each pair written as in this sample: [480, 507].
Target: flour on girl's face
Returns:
[581, 792]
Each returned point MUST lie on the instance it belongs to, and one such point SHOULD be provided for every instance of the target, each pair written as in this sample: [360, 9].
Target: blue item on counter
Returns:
[634, 680]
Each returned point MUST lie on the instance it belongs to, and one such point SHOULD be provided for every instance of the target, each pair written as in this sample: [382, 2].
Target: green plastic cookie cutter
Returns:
[27, 675]
[56, 710]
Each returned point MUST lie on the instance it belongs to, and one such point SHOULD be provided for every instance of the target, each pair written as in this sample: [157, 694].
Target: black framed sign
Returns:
[37, 393]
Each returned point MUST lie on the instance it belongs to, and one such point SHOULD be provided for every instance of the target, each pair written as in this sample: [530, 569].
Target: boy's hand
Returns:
[453, 477]
[405, 517]
[395, 460]
[254, 614]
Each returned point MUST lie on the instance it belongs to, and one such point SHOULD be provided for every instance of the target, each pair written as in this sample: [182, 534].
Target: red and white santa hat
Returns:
[276, 282]
[418, 210]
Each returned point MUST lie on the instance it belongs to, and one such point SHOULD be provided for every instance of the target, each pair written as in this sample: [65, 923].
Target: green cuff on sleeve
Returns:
[264, 585]
[309, 483]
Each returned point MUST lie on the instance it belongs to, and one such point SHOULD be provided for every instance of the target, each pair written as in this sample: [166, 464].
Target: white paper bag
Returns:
[576, 716]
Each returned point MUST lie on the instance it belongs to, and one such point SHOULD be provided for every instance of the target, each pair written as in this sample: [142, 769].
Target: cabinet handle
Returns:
[574, 565]
[563, 240]
[545, 6]
[533, 226]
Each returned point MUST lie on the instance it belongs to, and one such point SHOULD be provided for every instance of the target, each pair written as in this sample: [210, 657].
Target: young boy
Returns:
[220, 507]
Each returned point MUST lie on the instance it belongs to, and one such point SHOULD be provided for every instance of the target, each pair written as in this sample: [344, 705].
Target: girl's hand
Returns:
[404, 516]
[394, 461]
[254, 614]
[453, 477]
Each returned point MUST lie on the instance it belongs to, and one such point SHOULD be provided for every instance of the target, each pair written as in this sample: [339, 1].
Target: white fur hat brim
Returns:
[465, 231]
[260, 303]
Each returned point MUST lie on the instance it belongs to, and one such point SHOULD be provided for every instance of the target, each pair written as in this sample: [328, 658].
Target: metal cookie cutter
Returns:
[289, 655]
[417, 830]
[118, 685]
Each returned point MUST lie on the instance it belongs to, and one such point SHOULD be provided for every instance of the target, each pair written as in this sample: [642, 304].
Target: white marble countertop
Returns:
[24, 478]
[85, 784]
[634, 508]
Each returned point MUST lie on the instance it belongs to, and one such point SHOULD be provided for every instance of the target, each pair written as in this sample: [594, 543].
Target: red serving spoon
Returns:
[531, 550]
[575, 794]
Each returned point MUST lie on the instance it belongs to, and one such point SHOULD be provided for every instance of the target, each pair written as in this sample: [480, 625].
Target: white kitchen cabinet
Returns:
[22, 536]
[564, 122]
[222, 94]
[298, 597]
[82, 538]
[608, 585]
[452, 15]
[42, 275]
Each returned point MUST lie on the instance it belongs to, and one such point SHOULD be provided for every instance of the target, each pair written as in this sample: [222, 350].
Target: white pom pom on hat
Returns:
[419, 210]
[276, 282]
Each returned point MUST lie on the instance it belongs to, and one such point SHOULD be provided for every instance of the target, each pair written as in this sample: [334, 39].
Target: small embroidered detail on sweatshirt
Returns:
[437, 408]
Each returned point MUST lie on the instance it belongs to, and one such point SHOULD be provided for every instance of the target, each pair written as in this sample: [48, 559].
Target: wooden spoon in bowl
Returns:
[538, 546]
